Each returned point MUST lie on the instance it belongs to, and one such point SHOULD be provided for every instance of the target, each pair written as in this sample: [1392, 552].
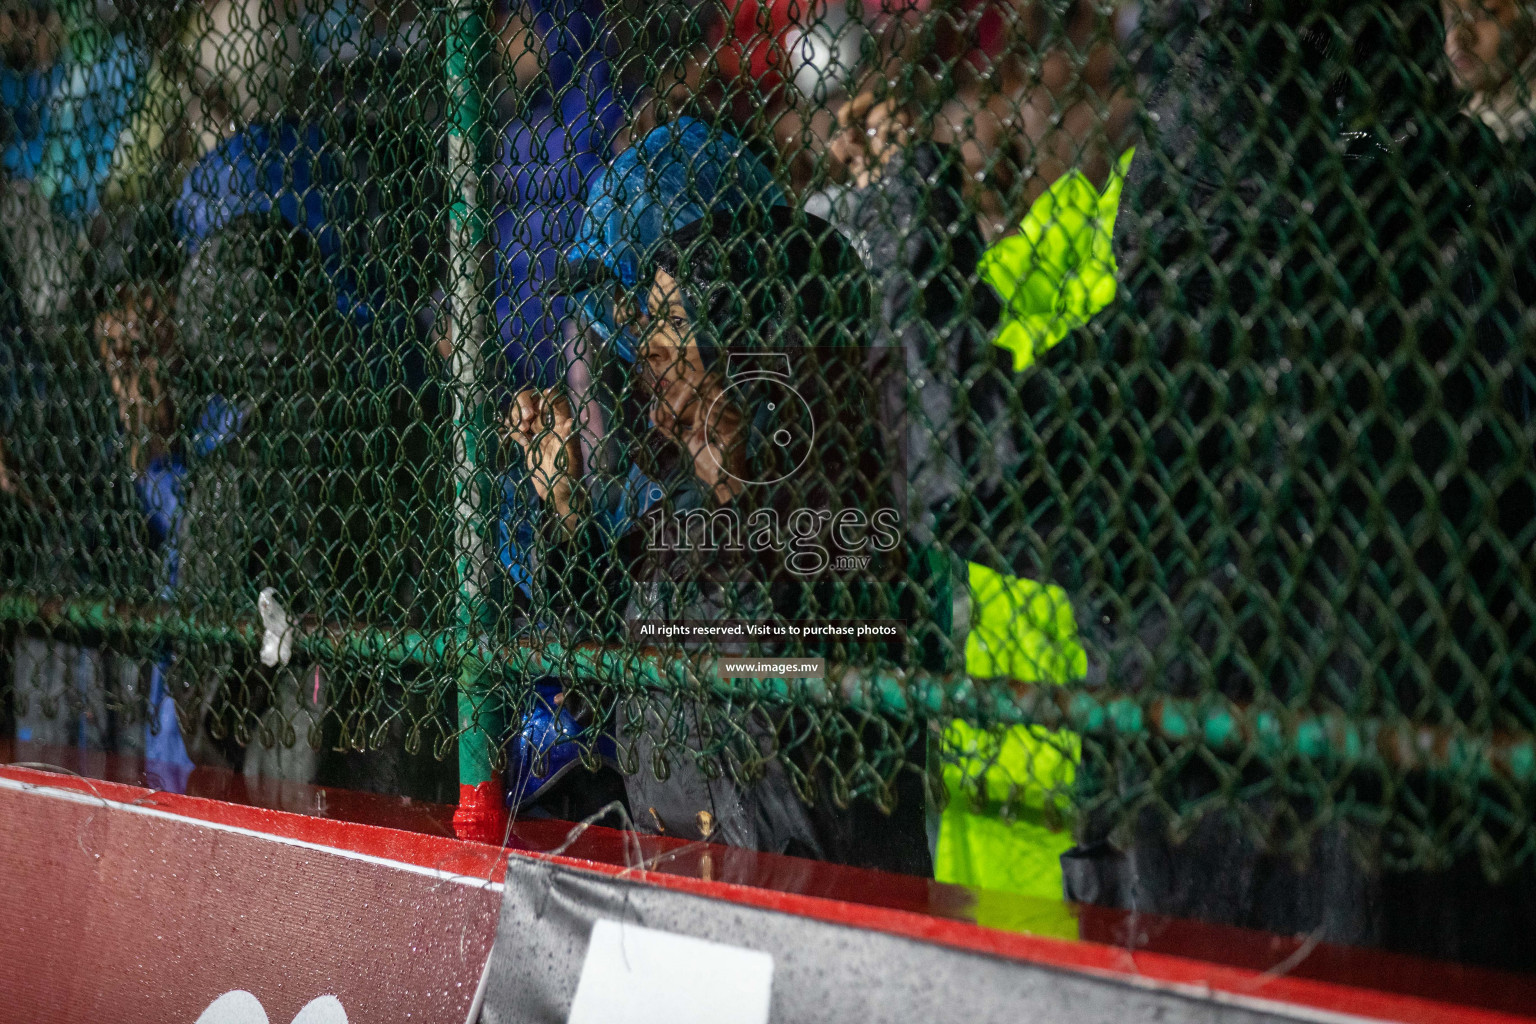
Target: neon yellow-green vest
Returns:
[1052, 277]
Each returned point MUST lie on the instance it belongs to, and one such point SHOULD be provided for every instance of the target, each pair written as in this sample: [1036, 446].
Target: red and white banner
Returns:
[121, 905]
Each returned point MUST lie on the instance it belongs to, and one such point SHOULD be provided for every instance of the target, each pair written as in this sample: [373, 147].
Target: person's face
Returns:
[128, 338]
[522, 49]
[671, 366]
[1486, 41]
[684, 393]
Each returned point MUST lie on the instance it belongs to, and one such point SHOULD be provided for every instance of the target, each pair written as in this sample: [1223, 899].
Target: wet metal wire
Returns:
[1187, 345]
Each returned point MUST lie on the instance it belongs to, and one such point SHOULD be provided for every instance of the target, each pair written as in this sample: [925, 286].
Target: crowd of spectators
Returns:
[164, 176]
[662, 177]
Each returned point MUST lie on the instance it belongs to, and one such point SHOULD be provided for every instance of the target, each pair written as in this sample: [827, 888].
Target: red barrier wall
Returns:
[125, 904]
[120, 911]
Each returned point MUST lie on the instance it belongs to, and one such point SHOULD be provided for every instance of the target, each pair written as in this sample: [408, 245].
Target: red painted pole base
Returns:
[481, 816]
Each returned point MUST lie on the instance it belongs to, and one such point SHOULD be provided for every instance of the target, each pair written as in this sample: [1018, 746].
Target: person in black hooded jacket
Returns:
[1303, 465]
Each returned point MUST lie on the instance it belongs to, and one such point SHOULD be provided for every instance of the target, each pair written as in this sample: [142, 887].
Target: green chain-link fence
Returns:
[1151, 381]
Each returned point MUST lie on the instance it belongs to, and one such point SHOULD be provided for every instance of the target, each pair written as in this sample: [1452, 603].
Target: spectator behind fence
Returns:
[672, 177]
[268, 322]
[1491, 52]
[565, 121]
[1216, 265]
[66, 88]
[136, 337]
[902, 210]
[286, 330]
[1490, 49]
[1490, 46]
[68, 96]
[727, 287]
[1148, 626]
[951, 403]
[1486, 377]
[1025, 92]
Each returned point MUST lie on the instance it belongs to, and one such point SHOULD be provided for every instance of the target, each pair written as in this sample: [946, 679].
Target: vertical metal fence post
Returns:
[481, 814]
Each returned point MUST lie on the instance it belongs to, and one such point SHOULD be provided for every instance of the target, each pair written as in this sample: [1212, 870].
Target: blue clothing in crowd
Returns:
[160, 492]
[167, 764]
[162, 484]
[544, 158]
[25, 97]
[66, 121]
[160, 489]
[673, 177]
[670, 179]
[286, 167]
[91, 106]
[676, 174]
[514, 527]
[282, 168]
[253, 171]
[565, 134]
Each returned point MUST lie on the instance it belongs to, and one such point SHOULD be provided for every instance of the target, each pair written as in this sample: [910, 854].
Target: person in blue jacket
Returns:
[565, 118]
[671, 178]
[135, 335]
[69, 77]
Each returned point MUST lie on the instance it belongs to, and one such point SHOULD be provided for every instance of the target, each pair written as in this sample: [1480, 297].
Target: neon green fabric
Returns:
[1024, 630]
[1059, 270]
[1011, 912]
[1052, 277]
[978, 846]
[1021, 629]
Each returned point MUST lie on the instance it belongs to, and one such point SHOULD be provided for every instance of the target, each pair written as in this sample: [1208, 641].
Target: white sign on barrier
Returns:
[637, 975]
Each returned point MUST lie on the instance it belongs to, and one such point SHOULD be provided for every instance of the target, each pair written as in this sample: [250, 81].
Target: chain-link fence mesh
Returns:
[1124, 407]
